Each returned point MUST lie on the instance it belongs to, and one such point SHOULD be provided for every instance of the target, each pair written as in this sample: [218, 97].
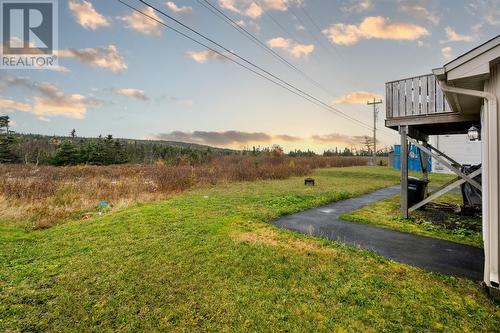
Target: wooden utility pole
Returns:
[375, 111]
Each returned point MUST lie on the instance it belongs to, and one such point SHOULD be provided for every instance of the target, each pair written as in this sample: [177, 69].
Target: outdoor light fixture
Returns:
[473, 133]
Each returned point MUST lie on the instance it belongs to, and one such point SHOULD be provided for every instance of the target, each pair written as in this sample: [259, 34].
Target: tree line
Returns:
[73, 150]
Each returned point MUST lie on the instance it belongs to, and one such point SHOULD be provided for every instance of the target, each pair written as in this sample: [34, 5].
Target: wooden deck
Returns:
[420, 95]
[419, 102]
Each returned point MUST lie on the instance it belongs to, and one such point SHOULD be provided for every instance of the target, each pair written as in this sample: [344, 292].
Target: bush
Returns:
[50, 194]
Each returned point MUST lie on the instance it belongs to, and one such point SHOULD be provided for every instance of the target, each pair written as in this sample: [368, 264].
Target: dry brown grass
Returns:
[44, 196]
[269, 237]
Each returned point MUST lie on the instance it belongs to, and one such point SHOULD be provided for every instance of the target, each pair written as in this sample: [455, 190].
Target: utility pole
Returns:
[375, 111]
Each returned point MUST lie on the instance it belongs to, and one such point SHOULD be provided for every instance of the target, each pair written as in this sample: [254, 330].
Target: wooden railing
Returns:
[416, 96]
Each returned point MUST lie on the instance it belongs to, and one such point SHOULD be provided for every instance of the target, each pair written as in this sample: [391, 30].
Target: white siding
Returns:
[457, 147]
[491, 183]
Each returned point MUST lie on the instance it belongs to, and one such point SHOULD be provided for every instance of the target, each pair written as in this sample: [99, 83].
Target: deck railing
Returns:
[416, 96]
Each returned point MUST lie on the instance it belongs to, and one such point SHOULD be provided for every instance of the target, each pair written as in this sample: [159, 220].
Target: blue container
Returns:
[413, 159]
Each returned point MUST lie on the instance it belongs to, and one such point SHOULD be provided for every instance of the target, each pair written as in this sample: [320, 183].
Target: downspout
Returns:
[491, 269]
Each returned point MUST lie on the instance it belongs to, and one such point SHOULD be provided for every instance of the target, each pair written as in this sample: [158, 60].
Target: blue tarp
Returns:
[413, 159]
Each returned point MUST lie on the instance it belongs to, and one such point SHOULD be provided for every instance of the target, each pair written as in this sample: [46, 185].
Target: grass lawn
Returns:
[429, 222]
[208, 260]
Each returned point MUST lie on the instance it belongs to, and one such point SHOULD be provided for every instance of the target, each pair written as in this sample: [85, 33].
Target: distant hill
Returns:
[41, 149]
[177, 144]
[224, 151]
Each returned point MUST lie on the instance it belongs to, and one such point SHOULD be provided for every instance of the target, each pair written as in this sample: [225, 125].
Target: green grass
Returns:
[429, 222]
[208, 260]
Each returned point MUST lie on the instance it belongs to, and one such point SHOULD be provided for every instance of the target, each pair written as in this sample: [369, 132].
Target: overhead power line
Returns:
[223, 55]
[319, 41]
[324, 43]
[316, 26]
[223, 16]
[267, 75]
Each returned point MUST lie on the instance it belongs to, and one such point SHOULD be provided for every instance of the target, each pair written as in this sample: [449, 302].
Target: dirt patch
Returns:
[449, 217]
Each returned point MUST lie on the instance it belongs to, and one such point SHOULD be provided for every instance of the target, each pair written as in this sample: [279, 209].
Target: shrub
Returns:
[47, 195]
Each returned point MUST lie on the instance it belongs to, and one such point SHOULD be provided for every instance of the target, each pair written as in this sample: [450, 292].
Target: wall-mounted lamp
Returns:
[473, 133]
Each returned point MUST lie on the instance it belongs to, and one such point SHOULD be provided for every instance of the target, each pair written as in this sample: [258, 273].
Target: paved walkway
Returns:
[427, 253]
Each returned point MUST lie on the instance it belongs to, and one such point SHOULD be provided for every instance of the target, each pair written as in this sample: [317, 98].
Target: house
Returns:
[458, 147]
[458, 98]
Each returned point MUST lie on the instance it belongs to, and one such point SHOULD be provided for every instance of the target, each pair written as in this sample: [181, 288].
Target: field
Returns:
[42, 196]
[208, 260]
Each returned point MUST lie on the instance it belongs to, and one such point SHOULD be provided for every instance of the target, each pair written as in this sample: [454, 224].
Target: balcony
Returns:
[419, 102]
[416, 96]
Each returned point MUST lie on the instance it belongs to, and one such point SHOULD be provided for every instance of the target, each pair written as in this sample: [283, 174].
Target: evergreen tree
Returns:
[4, 124]
[67, 154]
[120, 155]
[7, 141]
[95, 152]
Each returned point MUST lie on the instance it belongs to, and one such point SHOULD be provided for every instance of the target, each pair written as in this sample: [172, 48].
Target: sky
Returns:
[125, 75]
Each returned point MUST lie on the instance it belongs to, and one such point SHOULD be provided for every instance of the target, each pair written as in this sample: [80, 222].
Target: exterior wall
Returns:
[457, 147]
[491, 182]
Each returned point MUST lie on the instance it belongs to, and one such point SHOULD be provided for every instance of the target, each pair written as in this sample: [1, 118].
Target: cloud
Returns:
[477, 27]
[7, 81]
[10, 105]
[255, 9]
[279, 42]
[143, 24]
[86, 15]
[493, 18]
[357, 97]
[49, 101]
[131, 92]
[249, 24]
[447, 53]
[179, 10]
[239, 138]
[336, 138]
[280, 5]
[453, 36]
[53, 102]
[297, 50]
[202, 57]
[417, 8]
[487, 11]
[224, 138]
[214, 138]
[376, 27]
[103, 57]
[358, 6]
[288, 138]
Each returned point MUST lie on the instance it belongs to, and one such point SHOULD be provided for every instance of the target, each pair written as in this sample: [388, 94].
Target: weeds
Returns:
[44, 196]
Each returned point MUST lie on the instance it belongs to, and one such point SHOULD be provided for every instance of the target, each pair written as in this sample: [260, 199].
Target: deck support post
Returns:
[403, 130]
[424, 160]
